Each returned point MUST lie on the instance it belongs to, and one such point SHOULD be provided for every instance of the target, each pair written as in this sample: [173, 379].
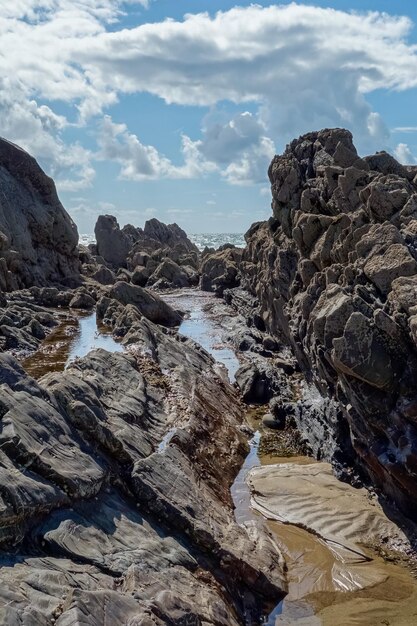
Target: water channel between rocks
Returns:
[72, 339]
[327, 586]
[323, 587]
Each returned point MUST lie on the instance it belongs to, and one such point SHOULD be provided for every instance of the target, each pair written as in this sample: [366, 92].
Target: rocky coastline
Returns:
[116, 469]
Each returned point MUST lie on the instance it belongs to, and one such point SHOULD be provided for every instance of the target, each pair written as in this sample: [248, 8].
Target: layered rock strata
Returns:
[335, 275]
[115, 479]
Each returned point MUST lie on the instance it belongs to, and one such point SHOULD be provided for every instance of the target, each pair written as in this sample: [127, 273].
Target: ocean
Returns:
[201, 240]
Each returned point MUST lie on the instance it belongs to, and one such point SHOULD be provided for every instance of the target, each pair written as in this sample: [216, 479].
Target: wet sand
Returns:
[334, 588]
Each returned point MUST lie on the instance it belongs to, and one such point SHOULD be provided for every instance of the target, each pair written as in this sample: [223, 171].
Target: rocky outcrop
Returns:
[113, 244]
[148, 304]
[38, 239]
[220, 269]
[335, 275]
[168, 274]
[155, 245]
[115, 486]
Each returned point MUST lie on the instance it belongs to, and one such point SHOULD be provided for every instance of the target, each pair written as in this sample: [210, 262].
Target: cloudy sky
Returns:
[174, 108]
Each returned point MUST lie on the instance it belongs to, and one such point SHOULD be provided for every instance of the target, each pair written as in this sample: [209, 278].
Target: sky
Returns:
[174, 109]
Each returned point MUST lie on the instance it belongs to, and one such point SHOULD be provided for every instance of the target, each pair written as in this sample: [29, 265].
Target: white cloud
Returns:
[143, 162]
[37, 129]
[404, 155]
[240, 146]
[405, 129]
[305, 67]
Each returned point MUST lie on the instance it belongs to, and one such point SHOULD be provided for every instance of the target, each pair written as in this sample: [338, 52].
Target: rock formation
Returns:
[115, 473]
[115, 479]
[335, 274]
[38, 239]
[113, 244]
[220, 269]
[159, 255]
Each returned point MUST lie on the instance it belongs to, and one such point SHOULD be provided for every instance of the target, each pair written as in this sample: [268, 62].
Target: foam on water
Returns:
[201, 240]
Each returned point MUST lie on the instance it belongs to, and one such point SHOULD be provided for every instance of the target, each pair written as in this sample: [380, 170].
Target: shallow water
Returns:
[72, 339]
[325, 589]
[197, 325]
[90, 336]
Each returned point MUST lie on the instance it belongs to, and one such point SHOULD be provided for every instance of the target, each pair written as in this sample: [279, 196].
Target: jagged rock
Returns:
[82, 300]
[334, 272]
[383, 268]
[168, 275]
[170, 235]
[51, 296]
[38, 239]
[104, 276]
[254, 384]
[156, 245]
[219, 271]
[140, 276]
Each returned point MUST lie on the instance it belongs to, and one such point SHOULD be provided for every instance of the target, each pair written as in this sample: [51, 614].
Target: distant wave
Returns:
[215, 240]
[201, 240]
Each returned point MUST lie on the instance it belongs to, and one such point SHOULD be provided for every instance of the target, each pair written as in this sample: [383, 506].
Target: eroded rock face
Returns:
[156, 247]
[38, 239]
[220, 269]
[335, 274]
[115, 490]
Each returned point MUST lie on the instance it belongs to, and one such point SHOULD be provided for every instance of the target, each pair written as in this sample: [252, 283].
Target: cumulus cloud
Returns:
[404, 154]
[304, 67]
[144, 162]
[307, 67]
[240, 147]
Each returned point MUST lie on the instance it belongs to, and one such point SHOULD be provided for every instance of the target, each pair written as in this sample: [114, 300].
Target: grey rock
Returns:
[149, 304]
[82, 300]
[254, 384]
[334, 274]
[140, 276]
[112, 243]
[38, 239]
[123, 527]
[220, 270]
[104, 276]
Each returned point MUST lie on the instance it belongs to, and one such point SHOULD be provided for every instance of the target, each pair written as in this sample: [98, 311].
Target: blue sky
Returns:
[138, 111]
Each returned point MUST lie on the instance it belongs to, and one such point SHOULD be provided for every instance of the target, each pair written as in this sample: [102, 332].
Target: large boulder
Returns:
[112, 243]
[38, 239]
[149, 304]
